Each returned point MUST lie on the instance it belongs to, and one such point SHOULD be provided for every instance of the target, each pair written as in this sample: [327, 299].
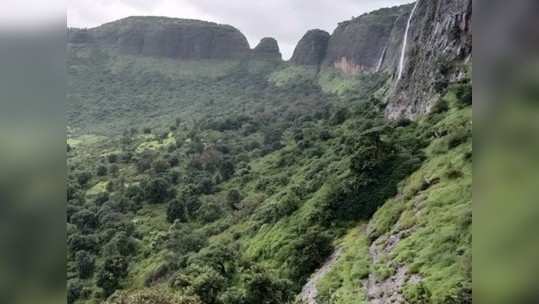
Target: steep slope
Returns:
[440, 47]
[417, 246]
[359, 45]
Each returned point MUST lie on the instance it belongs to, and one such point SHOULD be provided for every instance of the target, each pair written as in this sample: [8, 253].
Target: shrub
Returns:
[233, 198]
[308, 252]
[74, 290]
[207, 284]
[464, 93]
[151, 296]
[440, 106]
[339, 116]
[160, 166]
[182, 240]
[417, 294]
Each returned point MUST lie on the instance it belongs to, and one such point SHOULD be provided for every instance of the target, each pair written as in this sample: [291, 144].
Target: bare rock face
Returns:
[367, 43]
[267, 48]
[311, 49]
[439, 43]
[166, 37]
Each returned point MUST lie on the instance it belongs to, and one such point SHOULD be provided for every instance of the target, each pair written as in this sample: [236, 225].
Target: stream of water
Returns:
[405, 41]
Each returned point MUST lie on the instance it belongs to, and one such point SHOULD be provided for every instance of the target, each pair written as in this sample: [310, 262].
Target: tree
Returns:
[160, 166]
[226, 169]
[101, 170]
[233, 198]
[183, 208]
[77, 242]
[120, 244]
[113, 270]
[205, 185]
[85, 264]
[261, 287]
[112, 158]
[156, 190]
[176, 211]
[83, 177]
[85, 220]
[135, 193]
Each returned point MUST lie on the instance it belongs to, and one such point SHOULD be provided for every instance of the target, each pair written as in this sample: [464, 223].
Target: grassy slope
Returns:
[284, 191]
[434, 204]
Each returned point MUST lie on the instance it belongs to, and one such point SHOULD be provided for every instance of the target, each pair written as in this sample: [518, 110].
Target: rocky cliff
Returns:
[422, 47]
[267, 48]
[439, 46]
[166, 37]
[311, 49]
[365, 43]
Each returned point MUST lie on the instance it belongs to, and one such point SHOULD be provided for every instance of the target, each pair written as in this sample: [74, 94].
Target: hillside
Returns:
[240, 178]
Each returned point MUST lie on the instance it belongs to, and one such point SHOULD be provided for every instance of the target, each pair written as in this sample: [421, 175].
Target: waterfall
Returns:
[381, 60]
[405, 41]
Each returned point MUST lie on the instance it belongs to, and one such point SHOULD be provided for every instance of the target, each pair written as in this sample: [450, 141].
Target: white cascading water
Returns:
[405, 41]
[381, 60]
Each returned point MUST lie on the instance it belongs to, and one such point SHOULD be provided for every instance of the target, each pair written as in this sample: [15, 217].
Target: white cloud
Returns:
[286, 20]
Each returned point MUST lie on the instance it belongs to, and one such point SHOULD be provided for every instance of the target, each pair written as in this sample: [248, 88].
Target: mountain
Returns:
[165, 37]
[267, 48]
[311, 49]
[201, 171]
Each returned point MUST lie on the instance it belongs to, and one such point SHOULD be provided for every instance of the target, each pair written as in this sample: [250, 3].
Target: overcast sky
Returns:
[285, 20]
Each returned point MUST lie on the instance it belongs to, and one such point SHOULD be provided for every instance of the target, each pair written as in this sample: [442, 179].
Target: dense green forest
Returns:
[234, 182]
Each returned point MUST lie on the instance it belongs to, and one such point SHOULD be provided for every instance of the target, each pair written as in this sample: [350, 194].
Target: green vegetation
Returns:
[233, 182]
[343, 283]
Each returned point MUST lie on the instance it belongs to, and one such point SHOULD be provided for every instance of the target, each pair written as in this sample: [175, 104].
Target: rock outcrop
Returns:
[166, 37]
[367, 43]
[311, 49]
[439, 43]
[267, 48]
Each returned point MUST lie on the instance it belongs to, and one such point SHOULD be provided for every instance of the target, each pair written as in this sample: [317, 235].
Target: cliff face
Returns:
[365, 43]
[440, 42]
[311, 49]
[166, 37]
[267, 48]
